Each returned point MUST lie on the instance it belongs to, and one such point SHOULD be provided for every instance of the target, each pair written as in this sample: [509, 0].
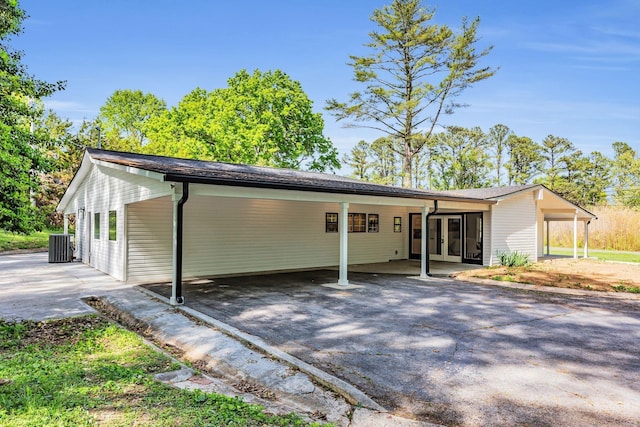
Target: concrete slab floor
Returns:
[447, 351]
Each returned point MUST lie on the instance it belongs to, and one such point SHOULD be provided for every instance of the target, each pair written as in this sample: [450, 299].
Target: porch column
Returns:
[66, 224]
[586, 240]
[423, 244]
[548, 252]
[344, 243]
[575, 235]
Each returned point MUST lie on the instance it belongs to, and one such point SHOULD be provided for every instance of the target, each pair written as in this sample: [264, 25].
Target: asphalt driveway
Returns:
[448, 351]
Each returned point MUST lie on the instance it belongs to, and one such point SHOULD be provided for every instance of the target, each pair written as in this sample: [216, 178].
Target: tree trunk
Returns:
[407, 176]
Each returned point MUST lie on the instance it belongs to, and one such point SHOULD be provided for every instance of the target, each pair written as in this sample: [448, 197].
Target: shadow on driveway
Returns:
[443, 350]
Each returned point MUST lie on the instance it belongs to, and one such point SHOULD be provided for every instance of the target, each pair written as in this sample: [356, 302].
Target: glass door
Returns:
[444, 237]
[473, 238]
[416, 236]
[435, 239]
[452, 238]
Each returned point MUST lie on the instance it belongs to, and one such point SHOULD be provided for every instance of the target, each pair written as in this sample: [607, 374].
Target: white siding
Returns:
[233, 235]
[486, 238]
[150, 233]
[104, 190]
[540, 225]
[513, 226]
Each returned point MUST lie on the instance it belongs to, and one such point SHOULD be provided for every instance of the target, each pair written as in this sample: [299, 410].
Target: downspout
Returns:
[435, 210]
[178, 298]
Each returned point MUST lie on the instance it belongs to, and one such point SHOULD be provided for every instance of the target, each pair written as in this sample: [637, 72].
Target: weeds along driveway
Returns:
[448, 351]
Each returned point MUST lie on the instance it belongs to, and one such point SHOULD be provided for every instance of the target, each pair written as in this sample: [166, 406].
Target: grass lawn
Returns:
[86, 371]
[40, 239]
[601, 254]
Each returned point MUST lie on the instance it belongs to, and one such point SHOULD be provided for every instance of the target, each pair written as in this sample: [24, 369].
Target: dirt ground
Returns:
[568, 273]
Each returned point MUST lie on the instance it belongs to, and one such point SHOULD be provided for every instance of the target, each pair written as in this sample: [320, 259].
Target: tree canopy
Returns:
[20, 145]
[123, 119]
[412, 76]
[264, 118]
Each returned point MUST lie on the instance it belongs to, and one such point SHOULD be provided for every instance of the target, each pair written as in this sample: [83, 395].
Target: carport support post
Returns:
[548, 252]
[423, 244]
[575, 235]
[586, 240]
[344, 243]
[66, 224]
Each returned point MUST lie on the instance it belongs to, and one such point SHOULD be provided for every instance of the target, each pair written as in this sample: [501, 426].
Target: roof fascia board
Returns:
[573, 206]
[341, 194]
[313, 196]
[130, 169]
[78, 178]
[540, 187]
[515, 193]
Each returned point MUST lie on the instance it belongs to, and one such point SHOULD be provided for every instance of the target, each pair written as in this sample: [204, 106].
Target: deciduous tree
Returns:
[20, 149]
[260, 118]
[123, 119]
[412, 76]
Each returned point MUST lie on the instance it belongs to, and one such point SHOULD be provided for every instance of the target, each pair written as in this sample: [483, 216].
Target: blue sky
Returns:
[568, 68]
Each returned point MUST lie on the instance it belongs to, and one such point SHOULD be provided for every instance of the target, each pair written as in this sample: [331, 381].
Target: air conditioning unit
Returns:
[60, 248]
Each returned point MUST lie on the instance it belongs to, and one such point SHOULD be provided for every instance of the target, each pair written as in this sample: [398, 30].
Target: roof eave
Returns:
[268, 185]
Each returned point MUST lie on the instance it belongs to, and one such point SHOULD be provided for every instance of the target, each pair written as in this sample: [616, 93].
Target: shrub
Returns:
[513, 259]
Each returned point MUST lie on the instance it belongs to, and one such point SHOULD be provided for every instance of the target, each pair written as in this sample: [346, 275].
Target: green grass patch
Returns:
[37, 240]
[601, 254]
[85, 372]
[624, 288]
[504, 278]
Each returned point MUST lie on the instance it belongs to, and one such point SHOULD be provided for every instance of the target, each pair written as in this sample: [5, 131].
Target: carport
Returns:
[150, 218]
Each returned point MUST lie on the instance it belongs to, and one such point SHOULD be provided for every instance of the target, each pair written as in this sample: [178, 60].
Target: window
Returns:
[357, 223]
[331, 222]
[374, 223]
[397, 224]
[112, 225]
[473, 238]
[96, 226]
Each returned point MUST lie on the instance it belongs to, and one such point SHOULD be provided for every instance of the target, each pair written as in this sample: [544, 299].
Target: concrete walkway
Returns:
[33, 289]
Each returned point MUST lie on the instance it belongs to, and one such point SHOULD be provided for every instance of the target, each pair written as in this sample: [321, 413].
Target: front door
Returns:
[444, 237]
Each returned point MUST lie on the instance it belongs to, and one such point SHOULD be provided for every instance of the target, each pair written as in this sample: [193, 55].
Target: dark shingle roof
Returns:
[205, 172]
[490, 193]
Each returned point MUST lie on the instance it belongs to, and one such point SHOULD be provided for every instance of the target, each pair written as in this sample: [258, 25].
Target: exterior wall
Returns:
[149, 240]
[540, 235]
[486, 238]
[514, 226]
[234, 235]
[225, 235]
[104, 190]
